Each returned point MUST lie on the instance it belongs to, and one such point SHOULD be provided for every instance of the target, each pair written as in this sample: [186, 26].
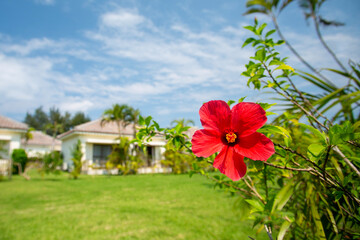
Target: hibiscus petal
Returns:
[255, 146]
[206, 143]
[230, 163]
[215, 115]
[247, 117]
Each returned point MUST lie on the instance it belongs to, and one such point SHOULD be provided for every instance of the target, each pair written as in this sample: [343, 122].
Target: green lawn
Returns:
[118, 207]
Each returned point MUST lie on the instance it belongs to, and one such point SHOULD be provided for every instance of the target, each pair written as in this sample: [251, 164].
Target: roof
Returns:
[96, 127]
[40, 138]
[12, 124]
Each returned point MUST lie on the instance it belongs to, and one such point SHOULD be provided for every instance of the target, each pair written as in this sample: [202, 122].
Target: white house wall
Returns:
[13, 139]
[88, 141]
[36, 150]
[66, 148]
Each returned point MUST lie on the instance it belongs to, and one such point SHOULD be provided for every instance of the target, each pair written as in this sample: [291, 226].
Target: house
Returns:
[96, 142]
[11, 132]
[40, 144]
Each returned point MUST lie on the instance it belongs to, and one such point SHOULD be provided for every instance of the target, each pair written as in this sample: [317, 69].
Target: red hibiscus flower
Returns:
[233, 134]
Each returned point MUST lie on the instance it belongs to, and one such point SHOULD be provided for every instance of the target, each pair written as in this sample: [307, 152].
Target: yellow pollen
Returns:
[231, 137]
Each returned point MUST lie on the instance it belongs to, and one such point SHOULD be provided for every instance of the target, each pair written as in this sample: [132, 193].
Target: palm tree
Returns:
[120, 114]
[28, 136]
[135, 113]
[55, 128]
[183, 122]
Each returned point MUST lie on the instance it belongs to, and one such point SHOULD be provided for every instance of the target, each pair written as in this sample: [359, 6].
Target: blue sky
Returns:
[164, 57]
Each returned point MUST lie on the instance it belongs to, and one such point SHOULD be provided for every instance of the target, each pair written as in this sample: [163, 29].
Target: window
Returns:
[149, 156]
[101, 153]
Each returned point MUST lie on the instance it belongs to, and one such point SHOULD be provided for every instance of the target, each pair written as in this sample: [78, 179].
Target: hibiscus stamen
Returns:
[231, 137]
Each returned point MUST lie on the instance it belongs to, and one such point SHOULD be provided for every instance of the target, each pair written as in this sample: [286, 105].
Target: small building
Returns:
[40, 144]
[97, 141]
[11, 132]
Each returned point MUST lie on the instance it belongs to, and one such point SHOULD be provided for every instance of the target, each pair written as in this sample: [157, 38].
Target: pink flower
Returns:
[233, 134]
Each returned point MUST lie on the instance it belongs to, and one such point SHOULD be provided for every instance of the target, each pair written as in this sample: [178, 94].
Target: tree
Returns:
[54, 122]
[19, 158]
[120, 114]
[78, 119]
[77, 155]
[28, 135]
[38, 120]
[51, 163]
[183, 122]
[134, 118]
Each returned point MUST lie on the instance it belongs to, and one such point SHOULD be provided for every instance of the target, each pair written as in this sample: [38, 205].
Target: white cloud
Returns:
[76, 104]
[30, 46]
[121, 19]
[128, 59]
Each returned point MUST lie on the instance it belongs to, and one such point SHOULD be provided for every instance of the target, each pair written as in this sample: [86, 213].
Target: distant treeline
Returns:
[54, 122]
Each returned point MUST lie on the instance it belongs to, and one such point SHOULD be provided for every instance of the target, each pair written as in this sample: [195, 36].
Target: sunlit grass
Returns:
[118, 207]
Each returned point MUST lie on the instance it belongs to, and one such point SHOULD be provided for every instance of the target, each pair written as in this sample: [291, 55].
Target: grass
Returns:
[118, 207]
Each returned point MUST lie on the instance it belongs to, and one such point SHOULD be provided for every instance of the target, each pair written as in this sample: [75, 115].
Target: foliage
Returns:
[123, 158]
[178, 161]
[310, 188]
[77, 155]
[28, 135]
[19, 156]
[52, 163]
[122, 115]
[54, 122]
[178, 157]
[183, 122]
[3, 149]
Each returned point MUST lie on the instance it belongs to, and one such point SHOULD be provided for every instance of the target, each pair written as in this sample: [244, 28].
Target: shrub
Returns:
[19, 157]
[76, 158]
[52, 163]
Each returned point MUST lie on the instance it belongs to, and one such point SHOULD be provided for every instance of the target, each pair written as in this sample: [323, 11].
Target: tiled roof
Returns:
[40, 138]
[12, 124]
[96, 127]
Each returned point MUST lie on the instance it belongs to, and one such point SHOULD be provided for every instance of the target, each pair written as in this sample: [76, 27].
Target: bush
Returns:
[76, 158]
[19, 157]
[123, 158]
[52, 163]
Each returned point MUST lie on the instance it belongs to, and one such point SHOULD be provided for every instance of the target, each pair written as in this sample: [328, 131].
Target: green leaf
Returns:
[247, 41]
[261, 28]
[284, 67]
[275, 130]
[275, 62]
[269, 33]
[332, 219]
[141, 120]
[148, 120]
[284, 227]
[315, 150]
[230, 102]
[317, 133]
[251, 28]
[282, 197]
[260, 55]
[280, 42]
[266, 106]
[256, 204]
[243, 98]
[317, 220]
[327, 86]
